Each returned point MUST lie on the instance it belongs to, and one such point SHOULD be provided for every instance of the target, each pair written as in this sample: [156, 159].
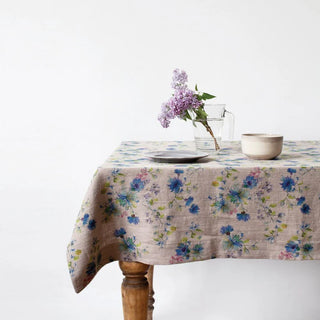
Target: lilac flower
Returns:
[184, 101]
[179, 79]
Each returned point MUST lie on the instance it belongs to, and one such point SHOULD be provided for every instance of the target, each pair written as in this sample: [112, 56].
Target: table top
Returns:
[133, 154]
[222, 206]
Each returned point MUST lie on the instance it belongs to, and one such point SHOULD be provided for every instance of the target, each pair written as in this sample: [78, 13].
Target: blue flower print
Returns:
[250, 182]
[288, 184]
[291, 171]
[129, 244]
[189, 201]
[226, 230]
[137, 184]
[236, 241]
[300, 201]
[292, 246]
[178, 171]
[92, 224]
[194, 209]
[197, 249]
[133, 219]
[110, 207]
[305, 209]
[243, 216]
[120, 233]
[183, 249]
[125, 199]
[85, 219]
[221, 205]
[307, 248]
[175, 185]
[237, 196]
[91, 268]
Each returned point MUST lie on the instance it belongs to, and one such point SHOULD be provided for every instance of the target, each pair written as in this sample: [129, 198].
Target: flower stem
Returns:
[205, 123]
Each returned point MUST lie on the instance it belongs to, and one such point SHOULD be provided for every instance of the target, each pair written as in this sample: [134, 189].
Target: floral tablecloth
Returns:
[223, 206]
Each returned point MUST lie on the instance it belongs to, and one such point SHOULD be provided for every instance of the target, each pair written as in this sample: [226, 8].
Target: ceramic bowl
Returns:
[261, 146]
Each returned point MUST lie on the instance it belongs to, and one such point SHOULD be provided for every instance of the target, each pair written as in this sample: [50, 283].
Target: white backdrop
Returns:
[79, 76]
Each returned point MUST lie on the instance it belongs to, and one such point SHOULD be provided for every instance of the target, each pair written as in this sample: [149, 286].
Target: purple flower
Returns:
[182, 100]
[179, 79]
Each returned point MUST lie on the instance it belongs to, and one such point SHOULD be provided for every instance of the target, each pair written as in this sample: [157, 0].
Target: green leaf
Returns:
[196, 88]
[206, 96]
[187, 115]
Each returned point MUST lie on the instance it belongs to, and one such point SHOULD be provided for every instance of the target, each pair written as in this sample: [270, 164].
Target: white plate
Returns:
[176, 156]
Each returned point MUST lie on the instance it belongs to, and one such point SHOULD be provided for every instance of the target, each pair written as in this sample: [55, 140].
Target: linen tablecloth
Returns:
[223, 206]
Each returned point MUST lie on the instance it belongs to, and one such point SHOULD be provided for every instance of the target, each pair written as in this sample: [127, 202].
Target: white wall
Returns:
[79, 76]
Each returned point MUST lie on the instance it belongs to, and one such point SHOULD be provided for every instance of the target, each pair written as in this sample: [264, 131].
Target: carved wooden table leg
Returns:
[135, 290]
[151, 292]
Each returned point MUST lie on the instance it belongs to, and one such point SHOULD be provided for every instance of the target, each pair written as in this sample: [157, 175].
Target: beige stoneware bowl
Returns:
[261, 146]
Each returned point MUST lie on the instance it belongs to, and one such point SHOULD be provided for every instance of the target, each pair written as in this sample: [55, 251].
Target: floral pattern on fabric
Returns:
[223, 206]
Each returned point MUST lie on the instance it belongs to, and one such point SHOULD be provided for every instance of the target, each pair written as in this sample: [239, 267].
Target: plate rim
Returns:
[196, 155]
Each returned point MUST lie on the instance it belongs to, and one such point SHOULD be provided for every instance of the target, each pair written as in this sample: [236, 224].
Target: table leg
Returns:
[135, 290]
[151, 292]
